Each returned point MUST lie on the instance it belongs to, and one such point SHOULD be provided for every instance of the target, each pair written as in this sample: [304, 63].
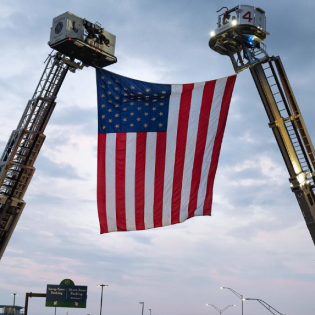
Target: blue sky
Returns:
[256, 241]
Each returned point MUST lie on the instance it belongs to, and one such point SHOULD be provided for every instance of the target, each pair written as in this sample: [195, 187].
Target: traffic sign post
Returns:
[67, 294]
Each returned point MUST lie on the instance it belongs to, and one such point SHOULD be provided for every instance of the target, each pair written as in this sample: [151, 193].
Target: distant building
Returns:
[11, 310]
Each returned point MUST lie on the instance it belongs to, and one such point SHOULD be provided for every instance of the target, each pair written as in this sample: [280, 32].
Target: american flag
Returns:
[158, 149]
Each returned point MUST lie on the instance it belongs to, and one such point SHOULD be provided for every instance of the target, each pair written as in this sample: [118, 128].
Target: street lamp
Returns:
[102, 285]
[149, 309]
[220, 311]
[271, 309]
[142, 306]
[14, 294]
[240, 296]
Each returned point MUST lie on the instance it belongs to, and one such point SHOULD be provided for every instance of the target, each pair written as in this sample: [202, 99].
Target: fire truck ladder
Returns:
[290, 131]
[242, 40]
[21, 151]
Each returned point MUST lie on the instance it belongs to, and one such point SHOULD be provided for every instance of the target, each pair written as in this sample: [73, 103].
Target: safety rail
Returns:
[290, 132]
[293, 120]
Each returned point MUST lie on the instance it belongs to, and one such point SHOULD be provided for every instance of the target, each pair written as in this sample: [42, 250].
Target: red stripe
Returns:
[159, 179]
[204, 116]
[217, 143]
[139, 179]
[182, 129]
[101, 184]
[120, 181]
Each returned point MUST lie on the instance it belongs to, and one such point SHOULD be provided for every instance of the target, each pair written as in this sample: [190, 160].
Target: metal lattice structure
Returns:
[25, 142]
[73, 38]
[291, 133]
[242, 42]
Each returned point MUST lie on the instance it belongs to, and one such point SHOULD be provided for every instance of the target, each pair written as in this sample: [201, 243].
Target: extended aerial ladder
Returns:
[73, 38]
[239, 35]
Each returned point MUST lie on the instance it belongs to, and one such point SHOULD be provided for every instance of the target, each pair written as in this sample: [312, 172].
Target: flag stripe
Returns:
[139, 179]
[211, 133]
[120, 181]
[130, 180]
[159, 178]
[194, 118]
[170, 152]
[101, 184]
[182, 129]
[110, 181]
[149, 179]
[206, 105]
[218, 141]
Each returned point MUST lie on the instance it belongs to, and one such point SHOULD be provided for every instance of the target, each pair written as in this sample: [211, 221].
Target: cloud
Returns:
[255, 241]
[51, 169]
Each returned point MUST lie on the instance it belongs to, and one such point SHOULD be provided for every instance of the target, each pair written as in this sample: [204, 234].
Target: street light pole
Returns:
[220, 311]
[14, 294]
[240, 296]
[142, 306]
[102, 285]
[149, 309]
[271, 309]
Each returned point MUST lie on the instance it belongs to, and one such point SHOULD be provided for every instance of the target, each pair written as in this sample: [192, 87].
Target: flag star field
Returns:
[128, 105]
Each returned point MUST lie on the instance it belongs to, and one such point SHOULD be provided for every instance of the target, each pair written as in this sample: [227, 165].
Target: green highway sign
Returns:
[66, 295]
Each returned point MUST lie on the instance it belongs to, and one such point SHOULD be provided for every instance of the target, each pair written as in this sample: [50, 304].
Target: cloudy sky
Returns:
[256, 241]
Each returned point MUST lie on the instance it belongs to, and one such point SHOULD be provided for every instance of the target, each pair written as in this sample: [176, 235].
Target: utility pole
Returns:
[14, 294]
[142, 306]
[271, 309]
[240, 296]
[220, 311]
[102, 285]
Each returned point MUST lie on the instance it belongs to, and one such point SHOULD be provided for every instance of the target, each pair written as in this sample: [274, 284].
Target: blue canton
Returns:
[128, 105]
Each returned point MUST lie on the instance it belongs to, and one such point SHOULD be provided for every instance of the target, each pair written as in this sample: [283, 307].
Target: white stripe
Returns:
[149, 179]
[110, 181]
[130, 181]
[170, 151]
[193, 124]
[212, 131]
